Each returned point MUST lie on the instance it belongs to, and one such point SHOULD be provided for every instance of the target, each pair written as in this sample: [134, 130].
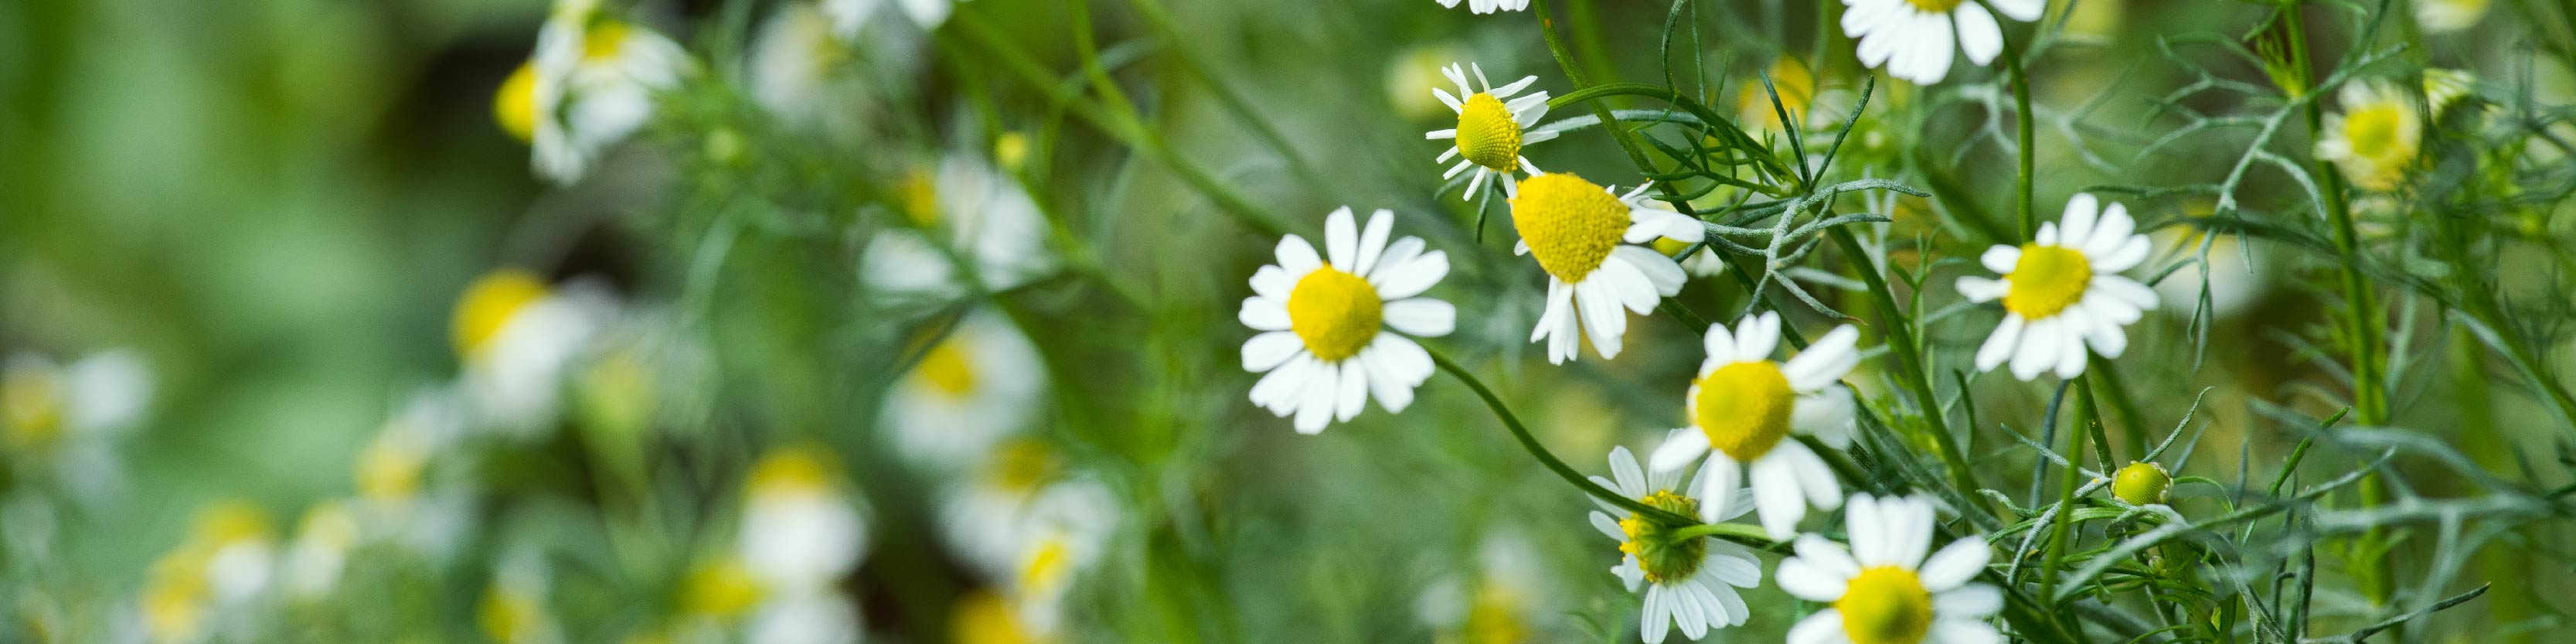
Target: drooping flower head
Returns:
[1588, 239]
[1688, 581]
[1333, 327]
[2062, 292]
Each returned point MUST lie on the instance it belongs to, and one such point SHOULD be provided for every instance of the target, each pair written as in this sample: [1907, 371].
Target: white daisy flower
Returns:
[1575, 229]
[1067, 532]
[2375, 140]
[800, 529]
[819, 617]
[1884, 590]
[984, 217]
[1913, 39]
[588, 86]
[979, 384]
[2444, 88]
[1488, 6]
[983, 516]
[1745, 406]
[2063, 292]
[398, 476]
[2447, 16]
[62, 423]
[320, 550]
[516, 336]
[201, 587]
[1503, 599]
[849, 16]
[1490, 132]
[1689, 582]
[790, 67]
[514, 609]
[2238, 279]
[1333, 327]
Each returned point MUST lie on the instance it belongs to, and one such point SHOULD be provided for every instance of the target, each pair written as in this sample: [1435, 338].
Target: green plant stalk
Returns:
[2361, 324]
[1906, 353]
[2058, 537]
[2109, 372]
[2481, 440]
[2022, 126]
[1530, 443]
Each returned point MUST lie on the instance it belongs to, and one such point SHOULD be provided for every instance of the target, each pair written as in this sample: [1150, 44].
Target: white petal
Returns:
[1824, 627]
[1826, 361]
[1666, 275]
[1658, 616]
[1269, 350]
[1719, 343]
[1680, 447]
[1421, 316]
[1867, 528]
[1413, 277]
[1297, 258]
[1280, 390]
[1776, 497]
[2123, 257]
[1273, 283]
[1911, 529]
[1603, 321]
[2076, 225]
[2112, 231]
[1825, 414]
[2001, 259]
[1341, 239]
[1687, 610]
[1507, 91]
[1980, 289]
[1353, 395]
[1825, 556]
[1974, 600]
[2038, 350]
[1373, 240]
[1955, 564]
[2104, 335]
[1397, 255]
[2000, 345]
[1979, 37]
[1815, 478]
[1623, 468]
[1263, 314]
[2022, 10]
[1385, 381]
[1717, 481]
[1315, 405]
[1806, 581]
[1609, 527]
[2070, 352]
[1964, 631]
[1755, 338]
[1625, 284]
[1435, 135]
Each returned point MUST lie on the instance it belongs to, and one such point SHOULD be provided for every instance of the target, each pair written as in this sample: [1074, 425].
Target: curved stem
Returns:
[1902, 347]
[1548, 459]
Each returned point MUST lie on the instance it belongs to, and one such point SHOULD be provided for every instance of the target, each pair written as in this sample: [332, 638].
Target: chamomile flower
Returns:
[320, 550]
[2447, 16]
[1500, 601]
[1490, 132]
[516, 334]
[1688, 582]
[2063, 292]
[2373, 142]
[1488, 6]
[800, 529]
[226, 563]
[401, 498]
[990, 229]
[1884, 590]
[1333, 328]
[590, 83]
[1742, 409]
[1576, 229]
[62, 423]
[514, 609]
[983, 617]
[972, 388]
[2444, 88]
[1913, 39]
[1067, 531]
[790, 69]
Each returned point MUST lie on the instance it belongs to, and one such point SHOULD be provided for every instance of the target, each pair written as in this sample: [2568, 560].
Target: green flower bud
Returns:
[2142, 483]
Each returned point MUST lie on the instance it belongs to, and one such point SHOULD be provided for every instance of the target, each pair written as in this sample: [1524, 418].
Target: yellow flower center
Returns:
[1487, 133]
[1336, 313]
[1663, 555]
[510, 617]
[1492, 618]
[515, 105]
[390, 469]
[489, 304]
[947, 369]
[920, 195]
[724, 590]
[1048, 563]
[1569, 224]
[1669, 246]
[2046, 280]
[1021, 464]
[1743, 408]
[1936, 7]
[792, 469]
[31, 404]
[1886, 605]
[605, 40]
[1011, 150]
[1796, 86]
[2373, 131]
[982, 618]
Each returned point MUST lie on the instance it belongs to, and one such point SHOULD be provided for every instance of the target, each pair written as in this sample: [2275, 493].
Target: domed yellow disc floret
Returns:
[723, 590]
[390, 469]
[489, 304]
[1936, 7]
[2047, 280]
[1022, 464]
[515, 105]
[1661, 552]
[799, 468]
[1487, 134]
[920, 195]
[1569, 224]
[983, 618]
[2373, 131]
[606, 39]
[1336, 313]
[1743, 408]
[1886, 605]
[946, 368]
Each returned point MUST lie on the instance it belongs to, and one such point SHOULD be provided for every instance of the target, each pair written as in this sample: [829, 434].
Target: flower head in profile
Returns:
[2375, 140]
[1333, 327]
[1884, 590]
[1492, 128]
[2063, 292]
[1742, 409]
[1689, 581]
[1914, 39]
[1588, 239]
[590, 83]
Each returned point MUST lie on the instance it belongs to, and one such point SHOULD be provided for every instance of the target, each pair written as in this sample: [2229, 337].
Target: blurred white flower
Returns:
[1490, 132]
[1501, 601]
[2236, 279]
[1688, 581]
[816, 617]
[801, 529]
[402, 498]
[202, 586]
[1915, 39]
[1333, 327]
[515, 335]
[320, 550]
[1576, 229]
[849, 16]
[980, 383]
[2373, 142]
[984, 515]
[62, 423]
[968, 208]
[1742, 409]
[590, 83]
[1885, 591]
[2446, 16]
[791, 63]
[1068, 529]
[2063, 292]
[514, 609]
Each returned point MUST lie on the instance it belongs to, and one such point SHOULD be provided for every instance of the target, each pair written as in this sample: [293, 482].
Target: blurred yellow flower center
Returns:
[488, 306]
[1487, 133]
[2046, 280]
[1670, 247]
[390, 468]
[1795, 85]
[1022, 464]
[31, 404]
[920, 195]
[1936, 7]
[724, 590]
[1011, 149]
[515, 105]
[605, 40]
[947, 369]
[1493, 618]
[1336, 313]
[1743, 408]
[1663, 555]
[1047, 563]
[800, 469]
[1569, 224]
[982, 618]
[2372, 130]
[510, 617]
[1886, 605]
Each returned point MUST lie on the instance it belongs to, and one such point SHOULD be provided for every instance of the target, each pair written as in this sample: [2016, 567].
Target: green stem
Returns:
[2067, 482]
[1160, 20]
[2026, 149]
[2109, 372]
[1902, 348]
[1730, 531]
[1548, 459]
